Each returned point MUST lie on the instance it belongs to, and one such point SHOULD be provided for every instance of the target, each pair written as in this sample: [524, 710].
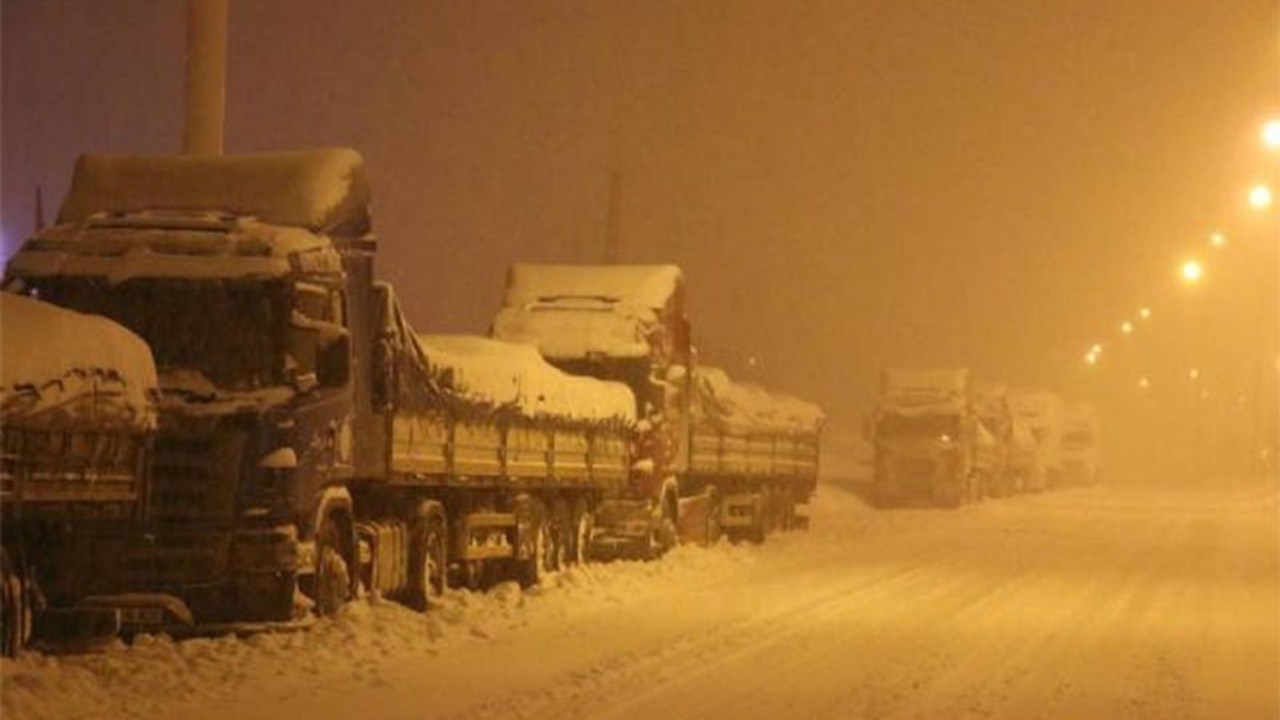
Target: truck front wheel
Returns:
[330, 586]
[428, 556]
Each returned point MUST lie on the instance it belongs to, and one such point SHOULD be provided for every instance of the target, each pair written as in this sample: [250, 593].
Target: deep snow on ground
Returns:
[1106, 602]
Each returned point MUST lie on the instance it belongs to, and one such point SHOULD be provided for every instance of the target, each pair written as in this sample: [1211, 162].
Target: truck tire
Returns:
[583, 521]
[664, 534]
[714, 529]
[428, 555]
[331, 584]
[15, 611]
[528, 570]
[559, 535]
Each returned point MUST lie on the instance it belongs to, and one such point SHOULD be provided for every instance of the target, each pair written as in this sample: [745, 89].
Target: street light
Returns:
[1271, 134]
[1126, 327]
[1260, 197]
[1145, 313]
[1218, 239]
[1192, 272]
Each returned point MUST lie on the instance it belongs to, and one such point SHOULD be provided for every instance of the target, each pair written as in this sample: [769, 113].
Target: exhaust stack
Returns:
[206, 77]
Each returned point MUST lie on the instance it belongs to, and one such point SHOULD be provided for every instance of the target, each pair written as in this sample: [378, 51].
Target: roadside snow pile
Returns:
[60, 368]
[499, 374]
[577, 311]
[743, 408]
[367, 645]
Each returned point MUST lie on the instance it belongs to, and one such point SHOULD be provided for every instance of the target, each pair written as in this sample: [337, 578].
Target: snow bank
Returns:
[574, 311]
[325, 191]
[744, 408]
[499, 374]
[62, 367]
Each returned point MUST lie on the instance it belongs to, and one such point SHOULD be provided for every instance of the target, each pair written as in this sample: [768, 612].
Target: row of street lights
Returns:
[1192, 271]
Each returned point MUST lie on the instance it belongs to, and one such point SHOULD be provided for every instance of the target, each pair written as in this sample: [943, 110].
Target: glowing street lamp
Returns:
[1090, 359]
[1193, 374]
[1218, 240]
[1144, 382]
[1260, 197]
[1271, 134]
[1145, 313]
[1192, 272]
[1126, 327]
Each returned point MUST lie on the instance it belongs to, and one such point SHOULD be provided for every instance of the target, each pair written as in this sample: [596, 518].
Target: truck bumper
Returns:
[623, 529]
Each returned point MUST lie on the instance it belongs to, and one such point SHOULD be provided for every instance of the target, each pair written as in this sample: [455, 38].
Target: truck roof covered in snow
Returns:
[62, 369]
[498, 374]
[324, 191]
[749, 409]
[574, 311]
[924, 390]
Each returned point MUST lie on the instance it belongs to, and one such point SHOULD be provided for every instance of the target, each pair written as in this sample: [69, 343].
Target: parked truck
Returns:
[991, 405]
[930, 445]
[309, 443]
[1080, 441]
[1040, 413]
[627, 323]
[77, 409]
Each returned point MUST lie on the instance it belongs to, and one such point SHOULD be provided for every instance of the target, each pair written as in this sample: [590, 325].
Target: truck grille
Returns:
[189, 481]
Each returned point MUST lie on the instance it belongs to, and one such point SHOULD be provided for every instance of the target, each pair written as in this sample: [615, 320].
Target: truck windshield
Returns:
[232, 331]
[1077, 440]
[922, 427]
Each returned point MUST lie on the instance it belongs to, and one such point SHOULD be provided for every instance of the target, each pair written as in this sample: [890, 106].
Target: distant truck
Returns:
[309, 443]
[1080, 441]
[991, 405]
[627, 323]
[931, 447]
[77, 411]
[1040, 413]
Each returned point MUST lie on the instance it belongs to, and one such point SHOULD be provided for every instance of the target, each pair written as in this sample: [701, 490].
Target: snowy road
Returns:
[1080, 604]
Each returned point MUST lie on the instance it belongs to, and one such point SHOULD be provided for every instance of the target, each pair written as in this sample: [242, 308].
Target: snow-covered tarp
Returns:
[742, 408]
[501, 374]
[60, 368]
[325, 191]
[575, 311]
[918, 391]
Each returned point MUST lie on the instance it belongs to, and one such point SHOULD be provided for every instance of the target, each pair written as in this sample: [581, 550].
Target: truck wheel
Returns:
[15, 611]
[583, 522]
[663, 536]
[559, 535]
[714, 529]
[331, 584]
[536, 526]
[428, 556]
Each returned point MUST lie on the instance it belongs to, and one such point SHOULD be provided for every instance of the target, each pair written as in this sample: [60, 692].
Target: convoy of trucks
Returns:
[943, 439]
[308, 445]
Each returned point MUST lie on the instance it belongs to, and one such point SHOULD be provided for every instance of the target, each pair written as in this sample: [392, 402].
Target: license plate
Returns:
[141, 615]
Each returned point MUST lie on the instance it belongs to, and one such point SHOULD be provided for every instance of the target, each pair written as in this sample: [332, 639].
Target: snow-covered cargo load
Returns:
[502, 375]
[581, 311]
[743, 408]
[67, 371]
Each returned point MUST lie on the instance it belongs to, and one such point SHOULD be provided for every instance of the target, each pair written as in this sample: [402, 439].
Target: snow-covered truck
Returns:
[1039, 412]
[307, 438]
[1078, 455]
[756, 450]
[991, 405]
[627, 323]
[77, 410]
[930, 445]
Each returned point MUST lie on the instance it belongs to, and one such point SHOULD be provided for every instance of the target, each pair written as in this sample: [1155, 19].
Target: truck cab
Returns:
[247, 277]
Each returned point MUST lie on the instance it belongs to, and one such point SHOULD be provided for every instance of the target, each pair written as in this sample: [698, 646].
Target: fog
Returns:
[848, 185]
